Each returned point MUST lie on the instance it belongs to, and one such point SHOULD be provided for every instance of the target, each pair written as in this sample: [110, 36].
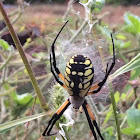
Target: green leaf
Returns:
[7, 126]
[124, 45]
[21, 99]
[39, 55]
[108, 133]
[117, 97]
[110, 130]
[92, 6]
[4, 45]
[133, 118]
[9, 91]
[123, 96]
[128, 131]
[135, 73]
[121, 37]
[131, 131]
[133, 64]
[6, 86]
[105, 31]
[108, 116]
[83, 1]
[138, 106]
[132, 23]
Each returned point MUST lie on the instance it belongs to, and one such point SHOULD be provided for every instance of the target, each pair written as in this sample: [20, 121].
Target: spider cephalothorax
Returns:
[78, 78]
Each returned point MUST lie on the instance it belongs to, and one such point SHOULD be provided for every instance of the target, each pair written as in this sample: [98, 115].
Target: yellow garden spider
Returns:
[78, 78]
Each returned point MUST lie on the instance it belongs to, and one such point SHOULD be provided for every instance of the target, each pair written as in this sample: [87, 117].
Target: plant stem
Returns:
[123, 122]
[8, 92]
[23, 80]
[19, 13]
[78, 32]
[115, 111]
[70, 3]
[25, 61]
[6, 62]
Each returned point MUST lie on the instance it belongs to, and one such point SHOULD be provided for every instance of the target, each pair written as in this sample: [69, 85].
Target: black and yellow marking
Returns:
[61, 76]
[79, 74]
[55, 117]
[91, 120]
[62, 107]
[78, 79]
[88, 72]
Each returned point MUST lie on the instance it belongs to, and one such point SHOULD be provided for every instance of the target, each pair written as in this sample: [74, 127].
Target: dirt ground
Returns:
[116, 13]
[50, 13]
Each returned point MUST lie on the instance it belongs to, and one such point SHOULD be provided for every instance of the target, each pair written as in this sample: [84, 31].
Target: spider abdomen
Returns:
[79, 75]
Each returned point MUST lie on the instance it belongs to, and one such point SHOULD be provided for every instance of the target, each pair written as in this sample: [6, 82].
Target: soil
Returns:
[50, 13]
[115, 16]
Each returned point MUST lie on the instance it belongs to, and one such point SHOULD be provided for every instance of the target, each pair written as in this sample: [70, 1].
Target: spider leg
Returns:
[97, 129]
[108, 70]
[53, 54]
[89, 120]
[90, 117]
[55, 117]
[56, 78]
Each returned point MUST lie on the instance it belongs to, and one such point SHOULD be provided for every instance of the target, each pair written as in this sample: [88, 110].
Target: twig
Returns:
[100, 50]
[78, 32]
[2, 54]
[14, 21]
[70, 3]
[2, 137]
[130, 51]
[34, 126]
[24, 80]
[28, 123]
[123, 122]
[19, 12]
[115, 111]
[8, 92]
[23, 56]
[6, 62]
[15, 72]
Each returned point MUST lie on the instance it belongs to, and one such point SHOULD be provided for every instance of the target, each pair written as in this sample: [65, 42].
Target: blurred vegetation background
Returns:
[37, 24]
[118, 2]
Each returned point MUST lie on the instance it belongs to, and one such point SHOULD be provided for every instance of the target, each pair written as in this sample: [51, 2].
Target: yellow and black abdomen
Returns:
[79, 75]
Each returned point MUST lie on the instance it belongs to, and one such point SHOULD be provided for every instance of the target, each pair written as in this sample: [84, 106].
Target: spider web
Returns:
[85, 44]
[91, 50]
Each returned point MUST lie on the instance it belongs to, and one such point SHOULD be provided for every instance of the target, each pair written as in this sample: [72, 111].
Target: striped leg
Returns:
[56, 78]
[89, 120]
[54, 59]
[90, 117]
[55, 117]
[108, 70]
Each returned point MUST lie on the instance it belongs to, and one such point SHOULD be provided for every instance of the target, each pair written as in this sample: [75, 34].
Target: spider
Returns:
[78, 78]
